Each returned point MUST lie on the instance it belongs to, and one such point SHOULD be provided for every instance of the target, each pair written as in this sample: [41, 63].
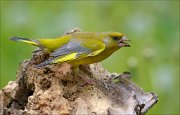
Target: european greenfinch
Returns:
[79, 47]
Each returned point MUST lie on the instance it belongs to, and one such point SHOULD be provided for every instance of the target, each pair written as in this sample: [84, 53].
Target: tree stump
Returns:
[56, 89]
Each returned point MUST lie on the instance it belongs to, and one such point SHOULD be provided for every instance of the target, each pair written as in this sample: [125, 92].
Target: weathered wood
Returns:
[56, 89]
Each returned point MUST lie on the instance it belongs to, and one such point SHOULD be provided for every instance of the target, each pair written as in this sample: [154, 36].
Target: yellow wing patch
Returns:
[66, 58]
[96, 52]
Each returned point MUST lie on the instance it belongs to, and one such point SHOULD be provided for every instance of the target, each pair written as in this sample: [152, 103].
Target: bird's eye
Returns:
[115, 38]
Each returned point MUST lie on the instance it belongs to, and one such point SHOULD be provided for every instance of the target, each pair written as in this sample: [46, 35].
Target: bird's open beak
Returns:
[123, 42]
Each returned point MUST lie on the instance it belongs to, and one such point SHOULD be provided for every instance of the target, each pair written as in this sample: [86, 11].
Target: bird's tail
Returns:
[26, 40]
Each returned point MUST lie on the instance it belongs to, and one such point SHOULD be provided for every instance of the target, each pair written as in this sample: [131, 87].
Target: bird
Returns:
[78, 48]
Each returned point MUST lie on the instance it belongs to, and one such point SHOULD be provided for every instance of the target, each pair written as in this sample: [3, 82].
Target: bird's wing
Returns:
[70, 47]
[75, 49]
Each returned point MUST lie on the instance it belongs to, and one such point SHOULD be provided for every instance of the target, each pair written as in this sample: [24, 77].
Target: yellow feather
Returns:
[66, 58]
[29, 42]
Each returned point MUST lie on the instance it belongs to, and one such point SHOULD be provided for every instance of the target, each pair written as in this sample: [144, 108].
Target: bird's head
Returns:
[115, 39]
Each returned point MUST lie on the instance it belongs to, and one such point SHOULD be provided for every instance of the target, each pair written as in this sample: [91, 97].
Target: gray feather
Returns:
[72, 46]
[47, 62]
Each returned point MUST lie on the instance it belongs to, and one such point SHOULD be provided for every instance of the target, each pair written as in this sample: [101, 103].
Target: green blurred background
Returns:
[153, 27]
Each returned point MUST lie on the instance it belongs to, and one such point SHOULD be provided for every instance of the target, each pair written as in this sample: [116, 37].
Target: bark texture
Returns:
[56, 89]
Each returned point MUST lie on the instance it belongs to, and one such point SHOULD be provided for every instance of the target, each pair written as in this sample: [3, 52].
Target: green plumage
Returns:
[79, 47]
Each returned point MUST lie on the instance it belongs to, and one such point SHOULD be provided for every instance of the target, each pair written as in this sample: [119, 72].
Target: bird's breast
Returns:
[93, 59]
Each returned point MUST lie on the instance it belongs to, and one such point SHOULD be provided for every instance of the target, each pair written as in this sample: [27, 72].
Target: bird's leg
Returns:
[82, 75]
